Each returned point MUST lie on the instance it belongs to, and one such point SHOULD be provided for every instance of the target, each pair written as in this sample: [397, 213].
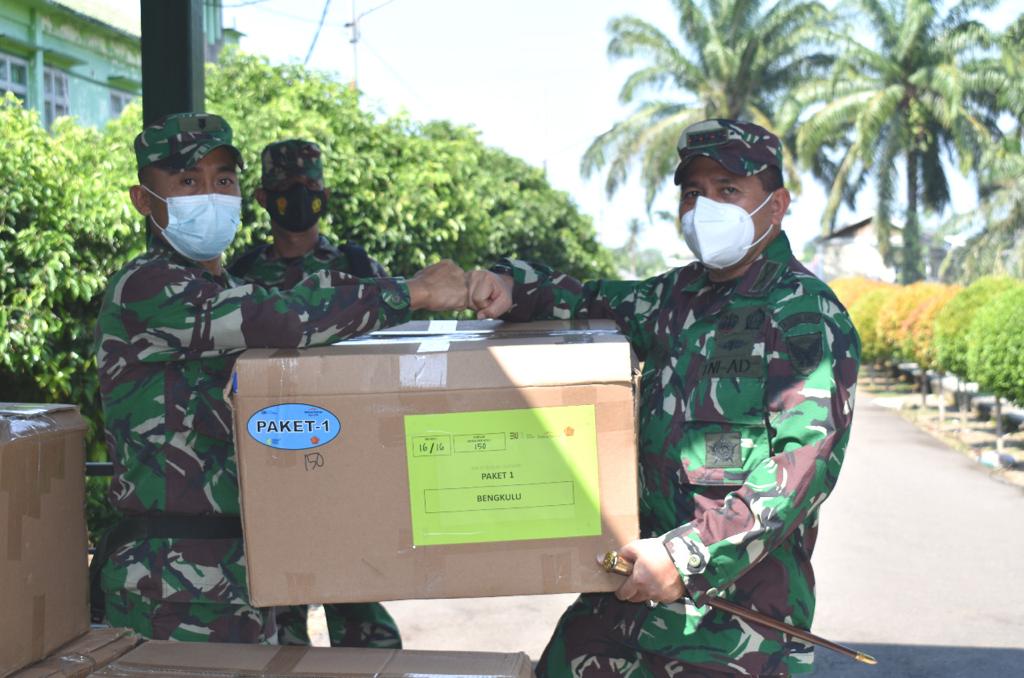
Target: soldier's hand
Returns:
[439, 287]
[654, 576]
[490, 294]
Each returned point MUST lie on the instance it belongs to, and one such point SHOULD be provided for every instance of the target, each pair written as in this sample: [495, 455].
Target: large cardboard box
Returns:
[436, 461]
[156, 659]
[84, 655]
[44, 594]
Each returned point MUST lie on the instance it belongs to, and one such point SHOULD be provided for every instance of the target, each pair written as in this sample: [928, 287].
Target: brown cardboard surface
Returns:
[339, 529]
[43, 571]
[155, 659]
[82, 656]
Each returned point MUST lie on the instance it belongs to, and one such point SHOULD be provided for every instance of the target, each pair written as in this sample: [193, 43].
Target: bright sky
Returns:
[531, 75]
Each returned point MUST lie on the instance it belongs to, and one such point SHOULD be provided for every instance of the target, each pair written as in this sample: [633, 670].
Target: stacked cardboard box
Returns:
[84, 655]
[43, 576]
[156, 659]
[437, 460]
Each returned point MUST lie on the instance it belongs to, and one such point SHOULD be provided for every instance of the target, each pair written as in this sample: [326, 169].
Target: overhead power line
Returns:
[319, 27]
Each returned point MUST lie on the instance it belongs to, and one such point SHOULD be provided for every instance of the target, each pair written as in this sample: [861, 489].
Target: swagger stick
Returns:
[616, 564]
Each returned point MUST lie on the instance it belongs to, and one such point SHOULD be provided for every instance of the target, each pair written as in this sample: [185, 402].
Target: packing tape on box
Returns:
[423, 370]
[25, 476]
[285, 660]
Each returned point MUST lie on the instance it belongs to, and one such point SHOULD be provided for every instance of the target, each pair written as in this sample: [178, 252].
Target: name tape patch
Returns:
[293, 426]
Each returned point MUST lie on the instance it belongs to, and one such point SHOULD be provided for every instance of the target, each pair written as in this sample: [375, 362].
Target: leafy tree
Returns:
[996, 245]
[864, 313]
[953, 323]
[896, 314]
[920, 341]
[734, 59]
[924, 91]
[995, 355]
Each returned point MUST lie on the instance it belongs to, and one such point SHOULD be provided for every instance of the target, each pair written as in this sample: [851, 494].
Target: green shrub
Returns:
[919, 343]
[864, 314]
[953, 322]
[894, 318]
[995, 346]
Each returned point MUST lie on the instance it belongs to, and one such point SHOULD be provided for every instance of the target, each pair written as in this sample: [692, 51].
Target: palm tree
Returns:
[997, 225]
[925, 91]
[735, 59]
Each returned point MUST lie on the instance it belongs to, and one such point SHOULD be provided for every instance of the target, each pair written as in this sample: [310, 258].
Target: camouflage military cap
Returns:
[743, 148]
[180, 140]
[283, 160]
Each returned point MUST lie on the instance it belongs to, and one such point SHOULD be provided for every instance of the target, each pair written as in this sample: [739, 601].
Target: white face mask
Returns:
[719, 233]
[200, 227]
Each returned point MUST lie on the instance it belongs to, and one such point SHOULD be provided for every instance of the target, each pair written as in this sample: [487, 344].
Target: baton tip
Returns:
[865, 659]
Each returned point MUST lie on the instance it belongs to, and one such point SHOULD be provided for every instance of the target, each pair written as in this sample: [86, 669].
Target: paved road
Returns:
[920, 562]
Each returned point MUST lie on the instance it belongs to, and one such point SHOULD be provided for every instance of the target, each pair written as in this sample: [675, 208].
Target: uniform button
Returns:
[693, 562]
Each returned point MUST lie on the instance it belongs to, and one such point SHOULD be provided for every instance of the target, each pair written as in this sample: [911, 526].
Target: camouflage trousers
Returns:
[204, 622]
[591, 641]
[348, 625]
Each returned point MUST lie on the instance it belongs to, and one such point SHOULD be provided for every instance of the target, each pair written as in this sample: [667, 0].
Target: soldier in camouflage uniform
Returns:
[292, 191]
[746, 399]
[293, 194]
[170, 328]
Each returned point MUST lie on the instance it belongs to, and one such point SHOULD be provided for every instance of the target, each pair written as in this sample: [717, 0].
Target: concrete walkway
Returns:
[920, 562]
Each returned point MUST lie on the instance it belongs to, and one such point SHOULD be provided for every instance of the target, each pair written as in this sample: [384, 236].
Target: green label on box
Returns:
[503, 475]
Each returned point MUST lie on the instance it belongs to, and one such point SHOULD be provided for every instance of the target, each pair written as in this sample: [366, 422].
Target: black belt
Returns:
[153, 526]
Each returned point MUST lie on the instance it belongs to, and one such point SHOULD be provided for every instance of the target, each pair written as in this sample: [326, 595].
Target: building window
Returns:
[14, 76]
[118, 100]
[55, 95]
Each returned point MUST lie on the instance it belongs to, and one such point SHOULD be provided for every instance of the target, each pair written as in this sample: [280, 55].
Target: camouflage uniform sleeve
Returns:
[177, 314]
[812, 362]
[543, 294]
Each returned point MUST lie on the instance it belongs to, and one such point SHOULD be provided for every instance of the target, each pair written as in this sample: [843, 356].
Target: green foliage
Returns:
[896, 317]
[864, 313]
[410, 193]
[65, 227]
[735, 59]
[995, 355]
[954, 321]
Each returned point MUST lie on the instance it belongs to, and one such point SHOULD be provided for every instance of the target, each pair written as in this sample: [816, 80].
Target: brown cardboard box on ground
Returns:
[84, 655]
[157, 659]
[44, 594]
[437, 460]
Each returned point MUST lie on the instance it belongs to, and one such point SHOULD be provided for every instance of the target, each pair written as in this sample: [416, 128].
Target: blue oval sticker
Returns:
[293, 426]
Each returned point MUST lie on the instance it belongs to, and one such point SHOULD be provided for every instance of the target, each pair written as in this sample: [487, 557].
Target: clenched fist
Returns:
[439, 287]
[490, 294]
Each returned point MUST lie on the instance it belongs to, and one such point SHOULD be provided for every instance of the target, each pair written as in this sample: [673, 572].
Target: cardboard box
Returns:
[437, 460]
[158, 659]
[44, 593]
[82, 656]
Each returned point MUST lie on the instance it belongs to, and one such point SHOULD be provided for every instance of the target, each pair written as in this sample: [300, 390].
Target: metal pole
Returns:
[172, 58]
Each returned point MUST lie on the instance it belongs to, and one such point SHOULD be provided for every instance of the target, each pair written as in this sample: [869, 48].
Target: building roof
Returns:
[124, 16]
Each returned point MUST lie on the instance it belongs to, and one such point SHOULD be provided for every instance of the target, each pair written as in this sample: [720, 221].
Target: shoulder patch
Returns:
[805, 352]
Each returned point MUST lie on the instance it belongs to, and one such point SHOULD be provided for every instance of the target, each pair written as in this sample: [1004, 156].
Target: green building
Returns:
[81, 57]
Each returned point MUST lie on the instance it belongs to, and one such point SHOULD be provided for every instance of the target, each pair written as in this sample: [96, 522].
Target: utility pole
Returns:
[354, 25]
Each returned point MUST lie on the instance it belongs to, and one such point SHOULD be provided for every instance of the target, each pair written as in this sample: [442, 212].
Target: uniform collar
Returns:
[322, 245]
[758, 279]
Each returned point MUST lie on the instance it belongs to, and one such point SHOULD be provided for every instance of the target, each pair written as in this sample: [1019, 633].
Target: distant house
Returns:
[852, 250]
[81, 57]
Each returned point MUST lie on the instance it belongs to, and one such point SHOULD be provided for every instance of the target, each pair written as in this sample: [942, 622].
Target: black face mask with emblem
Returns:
[296, 209]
